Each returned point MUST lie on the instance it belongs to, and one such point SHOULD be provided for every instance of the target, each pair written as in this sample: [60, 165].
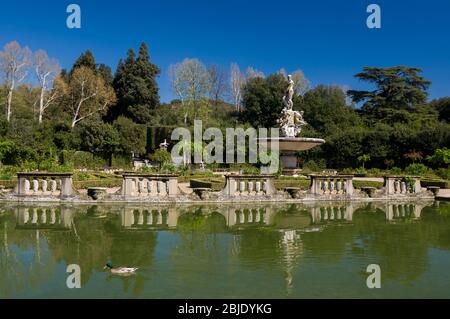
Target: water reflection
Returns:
[208, 250]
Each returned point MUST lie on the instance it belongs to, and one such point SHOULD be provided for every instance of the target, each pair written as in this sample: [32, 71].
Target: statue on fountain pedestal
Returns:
[291, 121]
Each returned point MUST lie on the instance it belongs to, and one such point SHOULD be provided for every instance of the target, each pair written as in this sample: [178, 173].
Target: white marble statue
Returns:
[287, 98]
[291, 121]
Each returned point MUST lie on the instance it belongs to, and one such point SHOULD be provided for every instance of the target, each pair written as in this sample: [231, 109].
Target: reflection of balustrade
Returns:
[332, 213]
[149, 185]
[43, 217]
[45, 184]
[141, 218]
[402, 185]
[403, 211]
[250, 216]
[334, 184]
[249, 185]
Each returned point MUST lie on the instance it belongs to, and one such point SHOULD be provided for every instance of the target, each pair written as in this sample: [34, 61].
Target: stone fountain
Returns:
[291, 123]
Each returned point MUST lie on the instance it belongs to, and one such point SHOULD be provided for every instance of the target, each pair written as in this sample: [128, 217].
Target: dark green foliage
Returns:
[131, 136]
[325, 110]
[262, 100]
[442, 106]
[105, 72]
[98, 138]
[86, 59]
[399, 87]
[136, 87]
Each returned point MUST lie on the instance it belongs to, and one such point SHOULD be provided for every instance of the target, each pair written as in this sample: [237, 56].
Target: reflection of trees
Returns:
[436, 224]
[200, 242]
[99, 240]
[399, 248]
[18, 270]
[90, 243]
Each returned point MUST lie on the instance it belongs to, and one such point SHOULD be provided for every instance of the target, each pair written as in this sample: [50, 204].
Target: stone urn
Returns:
[294, 192]
[370, 191]
[434, 190]
[202, 193]
[97, 193]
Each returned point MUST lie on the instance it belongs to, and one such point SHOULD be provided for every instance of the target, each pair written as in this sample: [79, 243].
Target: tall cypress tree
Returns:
[136, 87]
[86, 59]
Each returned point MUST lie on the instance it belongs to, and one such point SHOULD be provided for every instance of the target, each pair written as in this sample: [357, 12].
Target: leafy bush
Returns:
[315, 166]
[444, 173]
[361, 184]
[360, 171]
[396, 171]
[416, 169]
[161, 156]
[347, 171]
[374, 172]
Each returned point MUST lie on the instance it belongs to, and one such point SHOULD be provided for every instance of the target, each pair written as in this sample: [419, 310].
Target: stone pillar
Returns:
[349, 190]
[172, 187]
[66, 186]
[417, 185]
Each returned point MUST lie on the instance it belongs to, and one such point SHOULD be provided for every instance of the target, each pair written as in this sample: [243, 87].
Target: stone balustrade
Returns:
[149, 185]
[249, 185]
[332, 185]
[396, 185]
[45, 184]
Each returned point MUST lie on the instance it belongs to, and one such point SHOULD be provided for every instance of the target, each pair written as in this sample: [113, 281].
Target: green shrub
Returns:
[347, 171]
[416, 169]
[374, 172]
[395, 171]
[361, 184]
[444, 173]
[360, 171]
[315, 166]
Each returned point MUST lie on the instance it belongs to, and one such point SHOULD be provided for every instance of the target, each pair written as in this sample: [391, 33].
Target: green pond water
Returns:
[226, 251]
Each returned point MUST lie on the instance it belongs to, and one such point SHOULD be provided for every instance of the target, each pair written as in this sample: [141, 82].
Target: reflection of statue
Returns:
[287, 98]
[291, 121]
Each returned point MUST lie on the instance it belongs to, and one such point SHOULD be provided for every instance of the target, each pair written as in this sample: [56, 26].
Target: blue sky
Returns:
[328, 40]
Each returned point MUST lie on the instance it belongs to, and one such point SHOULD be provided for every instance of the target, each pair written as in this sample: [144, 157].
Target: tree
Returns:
[237, 81]
[105, 72]
[99, 138]
[87, 60]
[132, 136]
[161, 156]
[190, 80]
[262, 100]
[252, 73]
[5, 147]
[363, 159]
[14, 61]
[218, 83]
[398, 87]
[46, 71]
[326, 111]
[440, 158]
[88, 94]
[442, 105]
[136, 87]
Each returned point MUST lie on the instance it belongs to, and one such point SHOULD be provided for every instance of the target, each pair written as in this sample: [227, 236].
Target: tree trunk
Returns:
[41, 106]
[8, 106]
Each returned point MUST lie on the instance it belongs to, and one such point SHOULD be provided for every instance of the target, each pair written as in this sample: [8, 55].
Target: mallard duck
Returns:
[120, 270]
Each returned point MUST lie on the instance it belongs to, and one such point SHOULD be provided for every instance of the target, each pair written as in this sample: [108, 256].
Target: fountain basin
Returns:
[288, 148]
[293, 144]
